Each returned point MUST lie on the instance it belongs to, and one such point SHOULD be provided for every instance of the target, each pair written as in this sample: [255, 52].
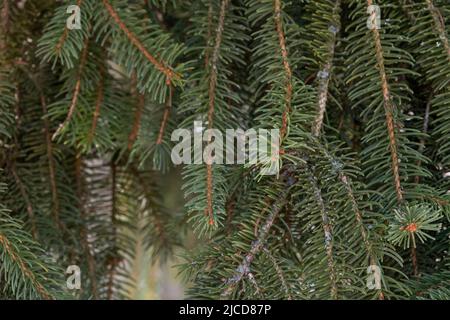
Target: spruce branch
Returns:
[388, 107]
[76, 90]
[65, 34]
[28, 203]
[286, 65]
[98, 104]
[167, 108]
[211, 103]
[439, 24]
[140, 98]
[327, 229]
[24, 268]
[244, 267]
[279, 273]
[160, 65]
[326, 71]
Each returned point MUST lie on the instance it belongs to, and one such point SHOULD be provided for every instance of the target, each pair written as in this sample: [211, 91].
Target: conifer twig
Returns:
[390, 122]
[244, 268]
[140, 98]
[439, 24]
[324, 79]
[76, 91]
[27, 200]
[287, 67]
[65, 34]
[211, 104]
[98, 105]
[11, 251]
[327, 229]
[166, 114]
[160, 65]
[279, 272]
[388, 108]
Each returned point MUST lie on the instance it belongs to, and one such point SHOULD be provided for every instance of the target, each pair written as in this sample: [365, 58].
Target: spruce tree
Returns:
[358, 89]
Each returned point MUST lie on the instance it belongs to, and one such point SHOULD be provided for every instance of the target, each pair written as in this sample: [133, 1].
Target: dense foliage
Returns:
[363, 109]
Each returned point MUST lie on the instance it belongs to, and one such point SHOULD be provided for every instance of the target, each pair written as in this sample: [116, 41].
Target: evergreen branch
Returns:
[439, 25]
[77, 89]
[137, 114]
[324, 79]
[51, 164]
[98, 105]
[25, 270]
[359, 218]
[209, 32]
[244, 268]
[279, 273]
[327, 229]
[426, 122]
[287, 67]
[65, 34]
[160, 65]
[211, 103]
[28, 203]
[168, 107]
[388, 107]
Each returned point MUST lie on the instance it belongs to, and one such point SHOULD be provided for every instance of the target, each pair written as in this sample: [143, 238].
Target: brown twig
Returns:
[76, 91]
[390, 122]
[166, 114]
[65, 34]
[324, 79]
[389, 109]
[244, 267]
[287, 67]
[327, 229]
[98, 105]
[11, 251]
[161, 66]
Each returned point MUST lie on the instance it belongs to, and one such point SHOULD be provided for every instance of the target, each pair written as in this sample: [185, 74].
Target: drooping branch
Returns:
[65, 34]
[98, 105]
[286, 65]
[166, 114]
[388, 107]
[390, 122]
[140, 98]
[26, 198]
[327, 229]
[212, 102]
[160, 65]
[51, 164]
[439, 25]
[11, 251]
[279, 273]
[325, 73]
[76, 90]
[426, 122]
[244, 267]
[359, 218]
